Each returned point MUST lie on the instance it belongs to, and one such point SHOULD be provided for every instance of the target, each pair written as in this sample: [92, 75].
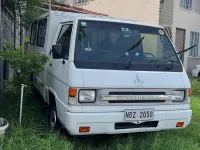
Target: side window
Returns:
[64, 39]
[41, 32]
[33, 33]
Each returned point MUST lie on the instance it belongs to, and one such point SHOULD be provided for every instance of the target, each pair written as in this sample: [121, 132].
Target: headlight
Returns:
[178, 96]
[87, 96]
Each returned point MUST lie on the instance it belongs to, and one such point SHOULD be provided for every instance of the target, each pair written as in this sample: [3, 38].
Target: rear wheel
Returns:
[34, 95]
[33, 88]
[198, 76]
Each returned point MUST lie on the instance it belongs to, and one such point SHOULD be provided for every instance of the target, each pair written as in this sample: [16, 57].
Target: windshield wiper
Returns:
[136, 45]
[132, 48]
[171, 62]
[173, 54]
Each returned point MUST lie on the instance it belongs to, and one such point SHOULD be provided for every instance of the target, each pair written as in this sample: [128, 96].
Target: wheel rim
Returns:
[53, 119]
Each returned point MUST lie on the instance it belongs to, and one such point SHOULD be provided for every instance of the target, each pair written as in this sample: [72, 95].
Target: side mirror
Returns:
[57, 51]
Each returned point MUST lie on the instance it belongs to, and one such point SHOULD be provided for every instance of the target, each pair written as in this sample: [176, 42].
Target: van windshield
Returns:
[120, 46]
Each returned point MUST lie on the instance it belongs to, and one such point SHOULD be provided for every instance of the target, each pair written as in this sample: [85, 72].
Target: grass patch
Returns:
[195, 87]
[35, 134]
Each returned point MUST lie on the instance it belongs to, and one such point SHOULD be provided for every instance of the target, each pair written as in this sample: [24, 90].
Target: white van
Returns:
[110, 76]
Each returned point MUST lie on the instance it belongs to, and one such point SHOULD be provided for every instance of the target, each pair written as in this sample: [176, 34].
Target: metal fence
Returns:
[7, 24]
[7, 34]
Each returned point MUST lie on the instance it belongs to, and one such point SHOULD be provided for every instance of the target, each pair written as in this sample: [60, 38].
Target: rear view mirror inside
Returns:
[57, 51]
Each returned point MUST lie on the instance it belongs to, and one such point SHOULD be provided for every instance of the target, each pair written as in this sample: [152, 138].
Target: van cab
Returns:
[109, 75]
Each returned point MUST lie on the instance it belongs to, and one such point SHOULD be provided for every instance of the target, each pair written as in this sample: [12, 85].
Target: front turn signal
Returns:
[72, 92]
[189, 92]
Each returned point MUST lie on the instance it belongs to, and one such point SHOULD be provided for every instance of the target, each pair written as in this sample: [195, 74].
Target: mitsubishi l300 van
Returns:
[110, 76]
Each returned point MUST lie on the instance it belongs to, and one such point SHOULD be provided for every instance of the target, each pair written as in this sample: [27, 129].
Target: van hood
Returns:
[134, 79]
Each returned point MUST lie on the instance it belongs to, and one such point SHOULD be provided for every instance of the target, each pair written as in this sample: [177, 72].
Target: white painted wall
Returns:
[190, 21]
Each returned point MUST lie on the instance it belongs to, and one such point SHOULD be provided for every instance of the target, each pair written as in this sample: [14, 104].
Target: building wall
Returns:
[166, 13]
[146, 11]
[190, 21]
[197, 6]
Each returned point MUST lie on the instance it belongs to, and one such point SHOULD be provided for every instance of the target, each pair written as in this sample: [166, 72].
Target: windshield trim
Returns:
[161, 67]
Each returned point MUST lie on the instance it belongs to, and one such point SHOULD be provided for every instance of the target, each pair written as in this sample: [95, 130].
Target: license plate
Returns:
[139, 115]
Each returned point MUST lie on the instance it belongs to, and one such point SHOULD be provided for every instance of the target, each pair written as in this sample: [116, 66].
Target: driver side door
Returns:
[57, 70]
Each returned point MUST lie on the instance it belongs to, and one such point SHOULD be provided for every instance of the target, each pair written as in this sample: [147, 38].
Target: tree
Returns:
[26, 11]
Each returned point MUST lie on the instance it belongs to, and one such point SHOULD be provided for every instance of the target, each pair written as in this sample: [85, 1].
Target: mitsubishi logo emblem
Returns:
[137, 80]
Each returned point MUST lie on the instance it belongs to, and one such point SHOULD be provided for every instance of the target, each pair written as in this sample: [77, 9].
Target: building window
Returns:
[78, 2]
[187, 4]
[194, 39]
[41, 32]
[33, 33]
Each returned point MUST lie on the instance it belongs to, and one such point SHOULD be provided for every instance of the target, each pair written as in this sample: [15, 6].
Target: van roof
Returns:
[96, 17]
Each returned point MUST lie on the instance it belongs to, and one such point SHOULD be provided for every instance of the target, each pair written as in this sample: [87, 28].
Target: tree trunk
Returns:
[15, 25]
[21, 27]
[20, 23]
[21, 34]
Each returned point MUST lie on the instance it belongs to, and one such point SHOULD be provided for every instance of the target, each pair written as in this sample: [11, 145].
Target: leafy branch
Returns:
[27, 62]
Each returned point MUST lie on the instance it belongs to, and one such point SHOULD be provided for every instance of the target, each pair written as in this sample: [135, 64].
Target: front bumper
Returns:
[104, 123]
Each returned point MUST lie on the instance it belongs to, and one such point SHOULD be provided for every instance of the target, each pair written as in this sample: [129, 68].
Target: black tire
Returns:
[33, 89]
[198, 78]
[35, 94]
[54, 123]
[31, 77]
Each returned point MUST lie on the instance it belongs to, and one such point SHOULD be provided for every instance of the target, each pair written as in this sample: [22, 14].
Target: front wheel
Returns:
[53, 119]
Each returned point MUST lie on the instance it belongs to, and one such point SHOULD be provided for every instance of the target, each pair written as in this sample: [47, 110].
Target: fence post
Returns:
[21, 104]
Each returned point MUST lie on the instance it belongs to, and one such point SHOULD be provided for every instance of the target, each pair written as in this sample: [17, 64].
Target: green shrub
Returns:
[26, 62]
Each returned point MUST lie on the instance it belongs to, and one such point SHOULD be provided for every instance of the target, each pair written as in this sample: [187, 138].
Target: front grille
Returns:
[137, 101]
[137, 93]
[129, 125]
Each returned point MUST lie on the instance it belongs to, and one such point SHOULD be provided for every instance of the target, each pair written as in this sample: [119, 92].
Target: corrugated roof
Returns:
[68, 8]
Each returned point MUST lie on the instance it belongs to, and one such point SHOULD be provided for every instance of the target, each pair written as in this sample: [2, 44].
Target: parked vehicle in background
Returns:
[110, 76]
[196, 71]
